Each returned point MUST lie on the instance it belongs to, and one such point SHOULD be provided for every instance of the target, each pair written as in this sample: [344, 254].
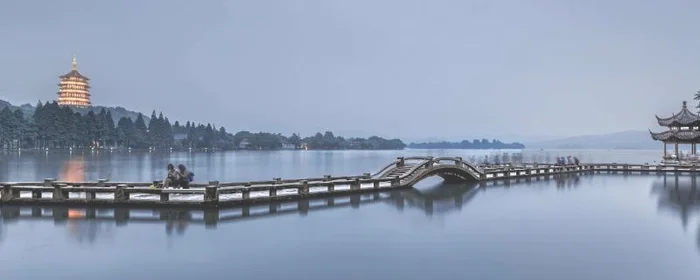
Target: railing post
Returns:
[272, 192]
[304, 188]
[58, 193]
[36, 193]
[8, 193]
[211, 192]
[90, 194]
[121, 194]
[48, 182]
[355, 185]
[396, 182]
[245, 192]
[458, 161]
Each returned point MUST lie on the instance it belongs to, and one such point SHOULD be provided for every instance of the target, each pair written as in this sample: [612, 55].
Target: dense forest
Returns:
[476, 144]
[53, 126]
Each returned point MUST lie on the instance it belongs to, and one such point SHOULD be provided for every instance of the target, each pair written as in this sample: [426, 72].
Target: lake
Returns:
[600, 226]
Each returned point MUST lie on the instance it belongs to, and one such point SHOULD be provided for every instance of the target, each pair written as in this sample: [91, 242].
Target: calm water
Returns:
[601, 226]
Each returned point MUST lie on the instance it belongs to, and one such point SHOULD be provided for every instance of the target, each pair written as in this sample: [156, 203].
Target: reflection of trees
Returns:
[678, 195]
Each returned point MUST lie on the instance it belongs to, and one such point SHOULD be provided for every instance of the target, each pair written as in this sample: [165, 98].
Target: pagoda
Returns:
[73, 88]
[682, 128]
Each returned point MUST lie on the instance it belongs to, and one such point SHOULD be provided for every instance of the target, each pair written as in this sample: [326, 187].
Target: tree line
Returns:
[54, 126]
[466, 144]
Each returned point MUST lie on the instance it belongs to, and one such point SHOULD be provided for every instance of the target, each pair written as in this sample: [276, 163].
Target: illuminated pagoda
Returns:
[682, 128]
[73, 89]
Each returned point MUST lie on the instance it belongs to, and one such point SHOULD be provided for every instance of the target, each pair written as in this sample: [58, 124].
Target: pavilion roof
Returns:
[683, 118]
[676, 135]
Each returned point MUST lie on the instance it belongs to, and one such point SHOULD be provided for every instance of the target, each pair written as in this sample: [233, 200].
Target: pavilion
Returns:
[682, 128]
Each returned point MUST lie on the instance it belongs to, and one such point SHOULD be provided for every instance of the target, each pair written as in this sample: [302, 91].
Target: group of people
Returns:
[567, 160]
[180, 177]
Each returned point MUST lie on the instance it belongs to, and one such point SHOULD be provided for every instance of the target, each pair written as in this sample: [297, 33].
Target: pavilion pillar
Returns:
[665, 152]
[692, 148]
[675, 150]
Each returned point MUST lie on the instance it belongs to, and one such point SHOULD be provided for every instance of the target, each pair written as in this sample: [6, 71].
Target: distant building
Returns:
[244, 144]
[73, 88]
[287, 146]
[179, 136]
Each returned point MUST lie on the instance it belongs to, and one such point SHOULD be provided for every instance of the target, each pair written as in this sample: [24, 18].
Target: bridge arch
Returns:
[450, 174]
[413, 170]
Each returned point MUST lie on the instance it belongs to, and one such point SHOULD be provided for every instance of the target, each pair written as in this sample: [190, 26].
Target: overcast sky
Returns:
[397, 68]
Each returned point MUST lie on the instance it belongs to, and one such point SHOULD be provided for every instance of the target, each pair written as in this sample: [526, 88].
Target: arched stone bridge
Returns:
[411, 170]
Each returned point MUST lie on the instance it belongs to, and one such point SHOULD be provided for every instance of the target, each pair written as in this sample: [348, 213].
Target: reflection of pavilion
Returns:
[678, 194]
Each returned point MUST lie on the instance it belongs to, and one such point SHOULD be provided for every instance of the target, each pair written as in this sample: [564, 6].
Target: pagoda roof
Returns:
[676, 135]
[74, 74]
[683, 118]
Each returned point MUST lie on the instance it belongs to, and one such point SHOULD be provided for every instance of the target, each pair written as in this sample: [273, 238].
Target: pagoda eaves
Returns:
[683, 118]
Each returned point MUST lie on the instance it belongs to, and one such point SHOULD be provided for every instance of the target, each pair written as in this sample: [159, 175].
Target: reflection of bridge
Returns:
[446, 197]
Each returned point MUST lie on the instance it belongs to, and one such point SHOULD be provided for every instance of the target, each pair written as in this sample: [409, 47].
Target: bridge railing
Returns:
[213, 193]
[458, 161]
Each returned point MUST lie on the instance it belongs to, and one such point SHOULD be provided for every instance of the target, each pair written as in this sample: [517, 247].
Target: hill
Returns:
[117, 112]
[631, 139]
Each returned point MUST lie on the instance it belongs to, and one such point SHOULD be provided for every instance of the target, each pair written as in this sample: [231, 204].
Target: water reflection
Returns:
[73, 170]
[86, 225]
[678, 194]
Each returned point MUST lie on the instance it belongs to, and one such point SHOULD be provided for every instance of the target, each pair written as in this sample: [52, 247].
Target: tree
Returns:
[139, 135]
[295, 140]
[125, 130]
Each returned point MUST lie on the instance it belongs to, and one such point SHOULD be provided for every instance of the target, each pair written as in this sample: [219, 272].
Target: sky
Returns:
[516, 70]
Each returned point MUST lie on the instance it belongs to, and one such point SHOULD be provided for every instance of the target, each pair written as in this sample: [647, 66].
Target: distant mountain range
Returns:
[117, 112]
[631, 139]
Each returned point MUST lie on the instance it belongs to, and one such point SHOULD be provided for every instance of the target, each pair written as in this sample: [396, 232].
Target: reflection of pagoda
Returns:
[73, 89]
[682, 129]
[679, 195]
